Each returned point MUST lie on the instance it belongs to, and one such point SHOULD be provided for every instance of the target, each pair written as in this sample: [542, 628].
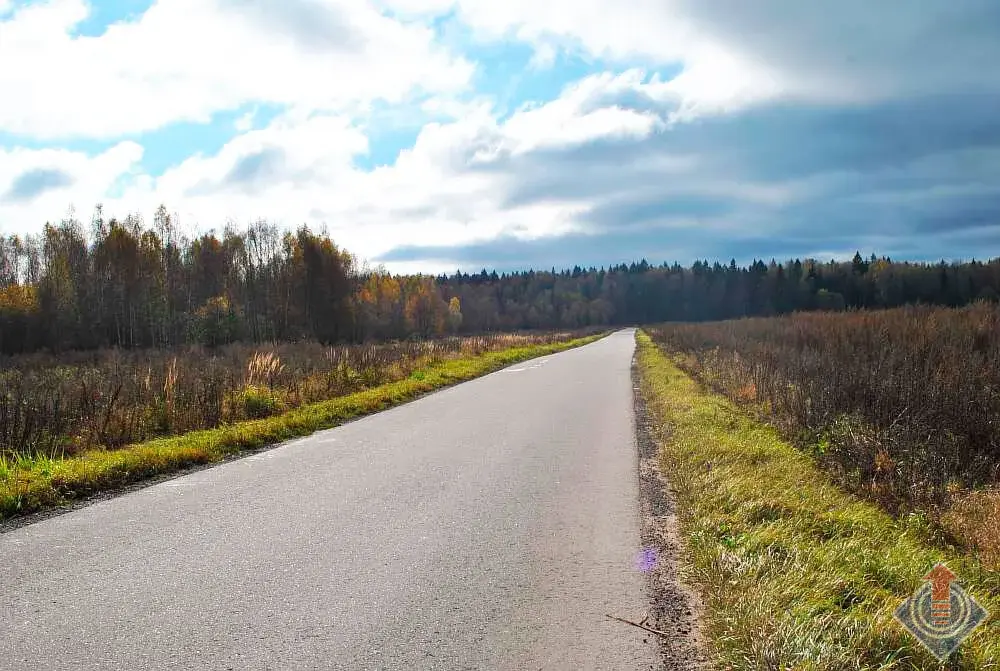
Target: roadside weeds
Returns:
[50, 484]
[794, 572]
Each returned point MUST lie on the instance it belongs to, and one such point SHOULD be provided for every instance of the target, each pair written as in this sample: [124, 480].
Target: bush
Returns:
[255, 402]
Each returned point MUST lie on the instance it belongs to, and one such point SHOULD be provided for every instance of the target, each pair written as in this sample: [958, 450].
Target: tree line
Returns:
[121, 283]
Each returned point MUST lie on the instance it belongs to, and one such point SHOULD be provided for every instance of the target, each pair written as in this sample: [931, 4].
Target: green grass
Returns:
[30, 485]
[795, 573]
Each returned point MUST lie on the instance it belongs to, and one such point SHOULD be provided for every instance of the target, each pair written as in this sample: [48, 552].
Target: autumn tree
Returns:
[380, 307]
[426, 312]
[454, 314]
[19, 318]
[125, 284]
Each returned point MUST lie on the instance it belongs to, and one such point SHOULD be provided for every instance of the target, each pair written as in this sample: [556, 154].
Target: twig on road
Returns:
[641, 626]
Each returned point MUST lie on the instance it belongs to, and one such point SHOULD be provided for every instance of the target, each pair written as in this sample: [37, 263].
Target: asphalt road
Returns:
[490, 525]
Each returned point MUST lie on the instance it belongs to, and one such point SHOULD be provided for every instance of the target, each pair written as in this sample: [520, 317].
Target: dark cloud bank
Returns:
[910, 168]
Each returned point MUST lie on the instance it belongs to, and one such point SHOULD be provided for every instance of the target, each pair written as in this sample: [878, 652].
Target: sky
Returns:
[438, 135]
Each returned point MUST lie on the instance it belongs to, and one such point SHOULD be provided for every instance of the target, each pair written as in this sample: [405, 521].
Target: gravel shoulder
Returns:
[675, 607]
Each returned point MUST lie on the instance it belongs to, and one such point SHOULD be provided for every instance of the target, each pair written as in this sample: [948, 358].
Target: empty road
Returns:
[490, 525]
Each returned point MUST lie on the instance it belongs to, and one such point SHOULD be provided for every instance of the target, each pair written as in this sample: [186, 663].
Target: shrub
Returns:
[255, 402]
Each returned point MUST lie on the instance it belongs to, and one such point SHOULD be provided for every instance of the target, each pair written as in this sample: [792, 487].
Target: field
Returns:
[901, 406]
[794, 572]
[89, 422]
[59, 406]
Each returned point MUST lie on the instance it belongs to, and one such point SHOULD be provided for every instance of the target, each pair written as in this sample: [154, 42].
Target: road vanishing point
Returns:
[490, 525]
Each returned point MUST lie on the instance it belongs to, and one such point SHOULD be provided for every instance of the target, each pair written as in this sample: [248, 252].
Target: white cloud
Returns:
[299, 169]
[283, 171]
[715, 82]
[245, 121]
[544, 56]
[717, 77]
[186, 59]
[452, 187]
[735, 53]
[38, 185]
[583, 112]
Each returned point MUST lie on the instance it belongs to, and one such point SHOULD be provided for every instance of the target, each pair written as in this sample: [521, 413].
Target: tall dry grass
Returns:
[902, 406]
[60, 406]
[903, 403]
[795, 573]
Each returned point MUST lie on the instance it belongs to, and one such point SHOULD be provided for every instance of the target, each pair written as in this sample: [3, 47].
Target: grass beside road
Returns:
[31, 485]
[795, 572]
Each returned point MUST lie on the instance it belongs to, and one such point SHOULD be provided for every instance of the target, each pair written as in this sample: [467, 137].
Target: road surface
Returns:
[490, 525]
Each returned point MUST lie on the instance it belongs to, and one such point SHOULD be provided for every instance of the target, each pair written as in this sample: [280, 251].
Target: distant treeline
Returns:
[122, 283]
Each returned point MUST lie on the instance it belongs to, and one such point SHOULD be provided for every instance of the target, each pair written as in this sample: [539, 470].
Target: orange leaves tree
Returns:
[426, 312]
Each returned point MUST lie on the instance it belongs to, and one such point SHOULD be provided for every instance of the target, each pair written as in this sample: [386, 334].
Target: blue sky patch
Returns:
[108, 12]
[170, 145]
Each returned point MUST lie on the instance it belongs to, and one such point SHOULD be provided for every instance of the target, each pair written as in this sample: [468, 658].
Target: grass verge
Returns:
[28, 486]
[795, 572]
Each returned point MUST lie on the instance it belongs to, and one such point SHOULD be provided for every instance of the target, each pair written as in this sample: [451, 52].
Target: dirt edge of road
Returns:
[675, 607]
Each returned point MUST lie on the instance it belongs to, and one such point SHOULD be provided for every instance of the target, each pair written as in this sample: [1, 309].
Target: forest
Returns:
[122, 283]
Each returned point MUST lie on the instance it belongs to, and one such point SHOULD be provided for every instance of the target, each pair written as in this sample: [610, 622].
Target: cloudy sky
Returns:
[441, 134]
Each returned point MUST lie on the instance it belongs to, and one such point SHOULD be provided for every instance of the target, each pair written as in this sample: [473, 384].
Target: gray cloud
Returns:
[882, 48]
[250, 173]
[256, 168]
[310, 23]
[688, 245]
[510, 253]
[785, 141]
[905, 162]
[656, 246]
[914, 176]
[33, 183]
[919, 142]
[651, 207]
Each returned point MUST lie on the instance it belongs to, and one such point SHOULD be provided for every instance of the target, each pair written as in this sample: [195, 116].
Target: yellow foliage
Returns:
[18, 298]
[381, 291]
[216, 305]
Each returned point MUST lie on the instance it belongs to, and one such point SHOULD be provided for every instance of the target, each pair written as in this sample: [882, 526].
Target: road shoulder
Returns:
[675, 607]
